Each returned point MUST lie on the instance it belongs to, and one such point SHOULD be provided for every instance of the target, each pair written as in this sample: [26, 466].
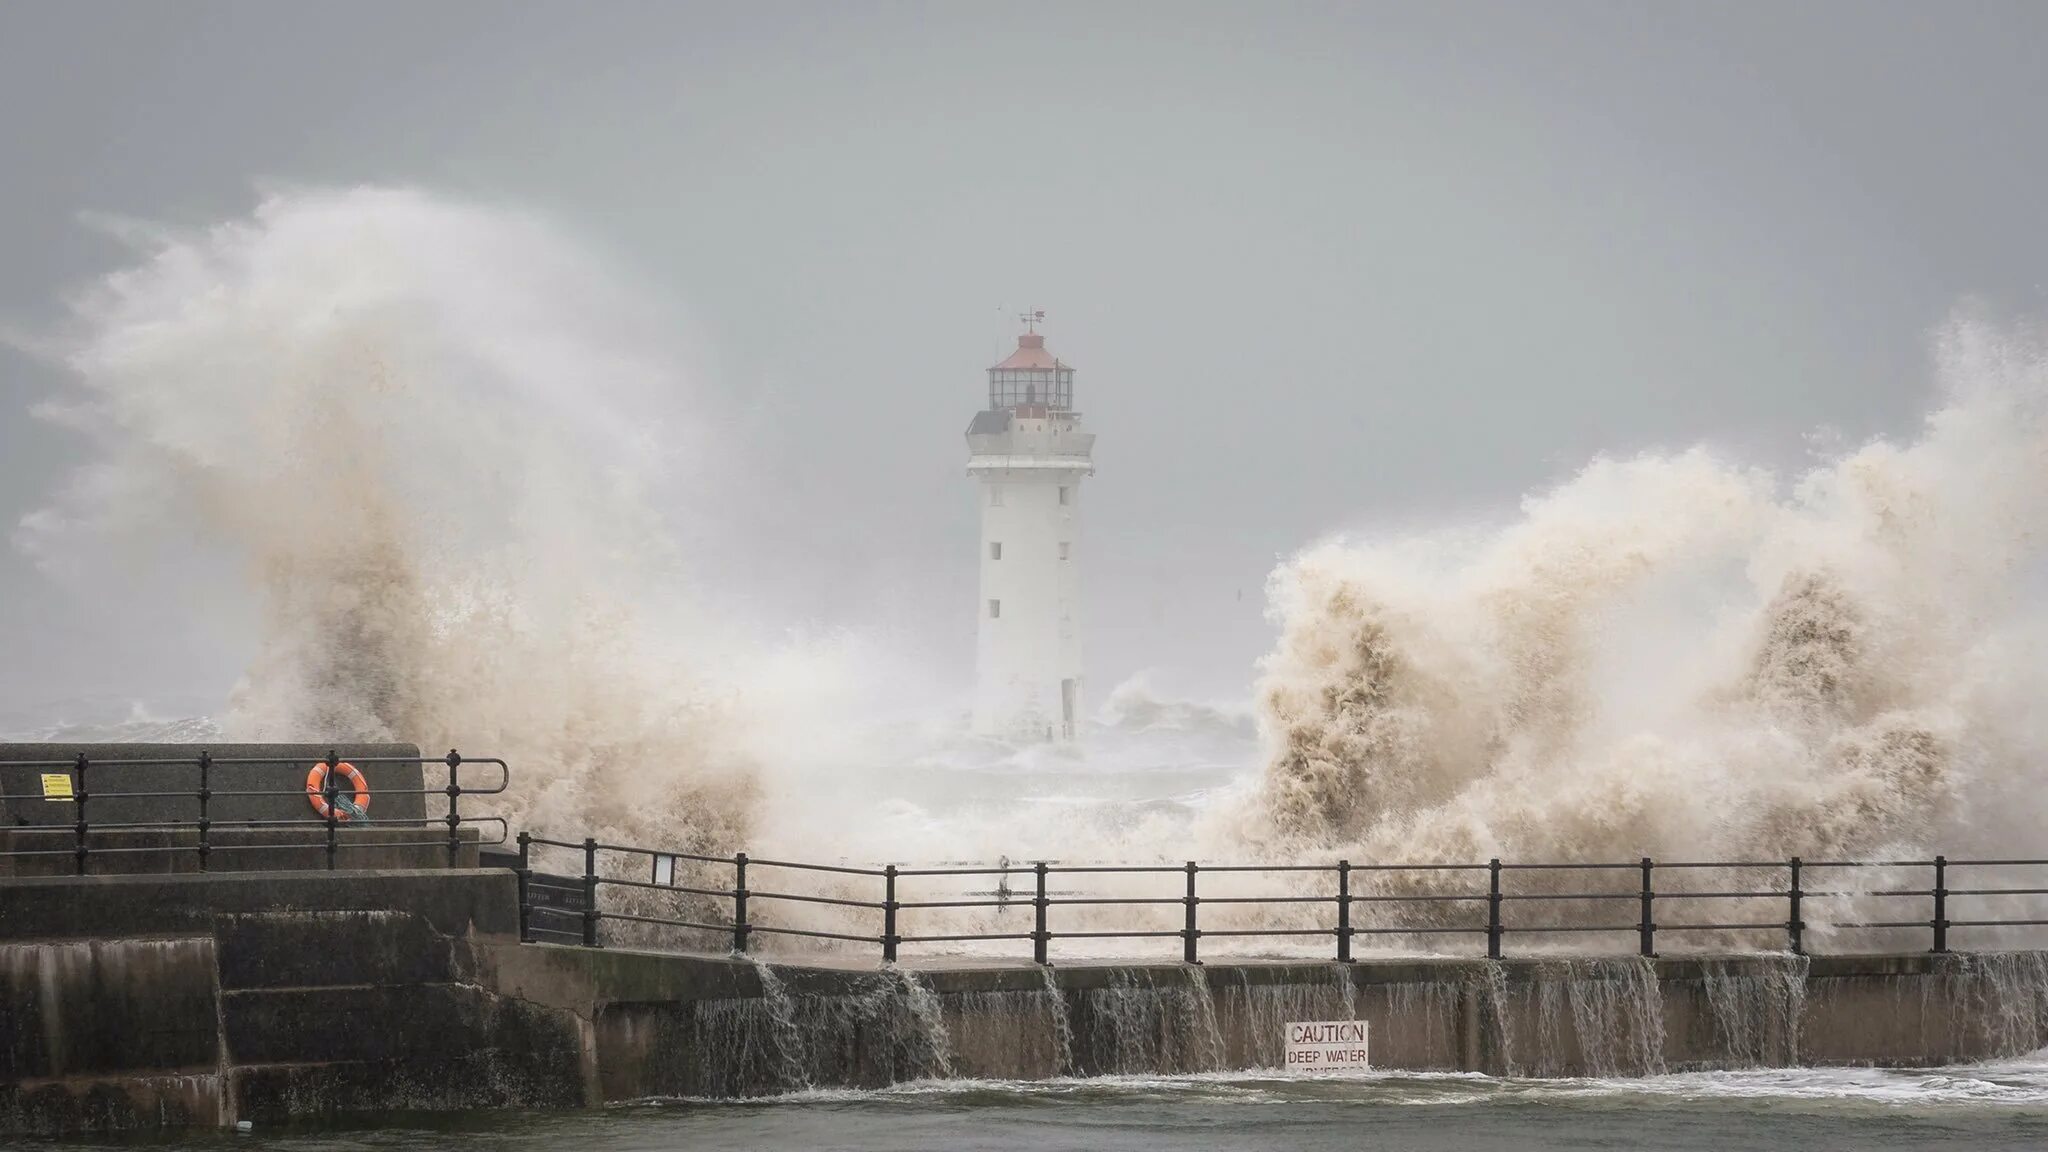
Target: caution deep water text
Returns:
[1327, 1046]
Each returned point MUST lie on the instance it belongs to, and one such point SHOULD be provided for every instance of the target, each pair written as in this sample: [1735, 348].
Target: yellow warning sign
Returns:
[57, 786]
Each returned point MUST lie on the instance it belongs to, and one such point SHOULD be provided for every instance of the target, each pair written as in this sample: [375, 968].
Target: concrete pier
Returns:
[145, 1001]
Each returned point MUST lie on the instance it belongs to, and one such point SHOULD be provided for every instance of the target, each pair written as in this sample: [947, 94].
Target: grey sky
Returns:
[1318, 266]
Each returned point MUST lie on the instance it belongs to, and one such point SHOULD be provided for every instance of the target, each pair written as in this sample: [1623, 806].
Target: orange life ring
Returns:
[316, 789]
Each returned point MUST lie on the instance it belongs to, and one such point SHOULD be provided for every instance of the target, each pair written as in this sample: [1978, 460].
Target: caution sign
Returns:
[57, 786]
[1327, 1046]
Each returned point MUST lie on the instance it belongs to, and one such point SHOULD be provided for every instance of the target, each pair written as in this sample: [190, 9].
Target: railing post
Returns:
[889, 914]
[1344, 911]
[78, 815]
[1190, 933]
[589, 892]
[1493, 909]
[454, 794]
[205, 795]
[1795, 927]
[1039, 936]
[1941, 903]
[739, 902]
[333, 809]
[525, 874]
[1649, 925]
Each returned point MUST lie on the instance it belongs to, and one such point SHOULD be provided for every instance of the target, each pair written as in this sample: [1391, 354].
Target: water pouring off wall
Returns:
[1543, 1019]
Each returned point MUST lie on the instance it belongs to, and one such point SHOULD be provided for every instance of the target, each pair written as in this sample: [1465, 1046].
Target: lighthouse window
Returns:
[995, 495]
[1063, 494]
[995, 549]
[995, 609]
[1063, 549]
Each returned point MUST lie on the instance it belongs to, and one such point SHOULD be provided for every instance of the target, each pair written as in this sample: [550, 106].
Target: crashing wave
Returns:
[1666, 656]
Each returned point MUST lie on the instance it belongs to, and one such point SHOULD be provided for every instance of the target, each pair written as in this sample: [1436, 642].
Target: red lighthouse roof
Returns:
[1030, 354]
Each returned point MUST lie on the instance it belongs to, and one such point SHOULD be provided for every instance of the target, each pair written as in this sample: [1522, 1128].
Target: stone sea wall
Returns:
[755, 1029]
[139, 1002]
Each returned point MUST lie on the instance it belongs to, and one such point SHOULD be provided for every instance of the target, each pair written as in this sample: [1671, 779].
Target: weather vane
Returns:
[1032, 319]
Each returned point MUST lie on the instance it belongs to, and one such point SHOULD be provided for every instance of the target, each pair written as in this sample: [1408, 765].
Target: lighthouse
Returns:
[1027, 455]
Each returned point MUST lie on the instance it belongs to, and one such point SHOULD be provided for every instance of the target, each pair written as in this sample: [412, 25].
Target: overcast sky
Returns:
[1317, 266]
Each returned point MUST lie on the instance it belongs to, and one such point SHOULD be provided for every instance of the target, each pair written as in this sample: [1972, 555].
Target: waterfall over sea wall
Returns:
[1600, 1017]
[888, 1029]
[1757, 1005]
[1596, 1017]
[1999, 1000]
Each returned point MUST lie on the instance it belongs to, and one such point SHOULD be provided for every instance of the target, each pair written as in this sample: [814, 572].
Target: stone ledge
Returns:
[103, 1104]
[486, 1078]
[96, 1007]
[325, 948]
[456, 902]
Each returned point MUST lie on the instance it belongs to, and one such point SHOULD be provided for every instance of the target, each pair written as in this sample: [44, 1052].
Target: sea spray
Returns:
[1678, 655]
[428, 435]
[425, 436]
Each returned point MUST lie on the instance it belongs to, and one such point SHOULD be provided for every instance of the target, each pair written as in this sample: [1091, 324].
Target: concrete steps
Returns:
[269, 997]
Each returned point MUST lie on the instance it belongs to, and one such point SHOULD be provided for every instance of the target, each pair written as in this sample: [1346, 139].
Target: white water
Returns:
[1679, 654]
[425, 434]
[2009, 1083]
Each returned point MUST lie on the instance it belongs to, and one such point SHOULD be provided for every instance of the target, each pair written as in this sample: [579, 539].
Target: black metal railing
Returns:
[1438, 900]
[92, 838]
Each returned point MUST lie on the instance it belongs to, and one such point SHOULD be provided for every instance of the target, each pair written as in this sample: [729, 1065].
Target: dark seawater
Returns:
[1986, 1108]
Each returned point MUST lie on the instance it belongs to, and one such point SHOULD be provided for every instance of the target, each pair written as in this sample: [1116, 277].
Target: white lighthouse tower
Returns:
[1027, 454]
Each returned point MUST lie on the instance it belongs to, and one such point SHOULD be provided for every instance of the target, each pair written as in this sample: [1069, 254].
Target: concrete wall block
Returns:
[425, 1025]
[269, 1094]
[132, 852]
[65, 1107]
[1882, 1021]
[453, 903]
[429, 1022]
[1006, 1035]
[649, 1050]
[301, 949]
[95, 1007]
[460, 1048]
[579, 979]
